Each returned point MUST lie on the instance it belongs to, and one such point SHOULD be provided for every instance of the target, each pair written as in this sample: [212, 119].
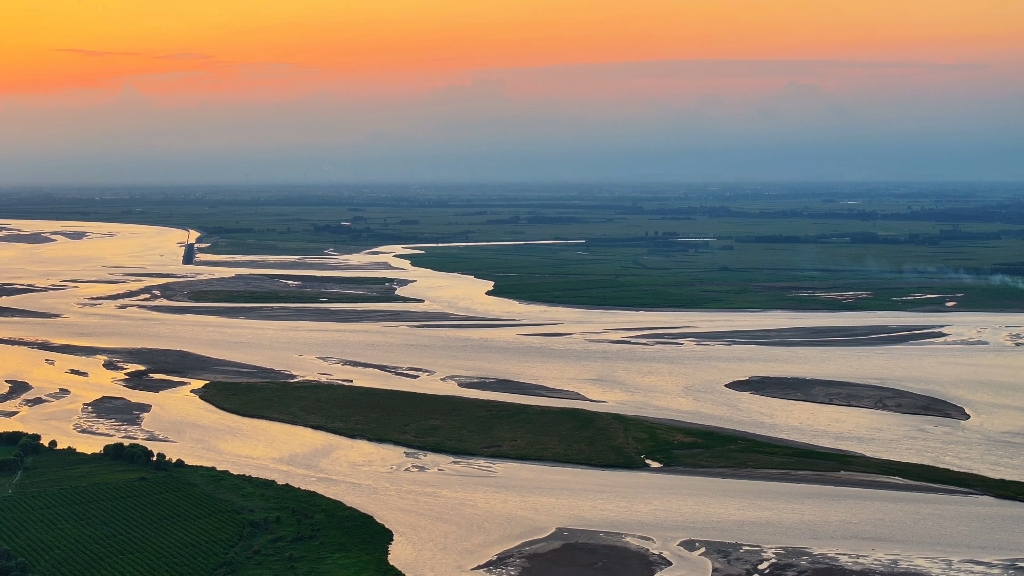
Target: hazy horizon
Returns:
[322, 92]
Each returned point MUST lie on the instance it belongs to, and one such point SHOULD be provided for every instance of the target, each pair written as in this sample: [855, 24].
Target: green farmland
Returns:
[70, 514]
[907, 247]
[966, 276]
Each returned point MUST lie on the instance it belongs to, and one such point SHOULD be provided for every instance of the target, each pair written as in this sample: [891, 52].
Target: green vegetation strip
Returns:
[671, 274]
[469, 426]
[72, 514]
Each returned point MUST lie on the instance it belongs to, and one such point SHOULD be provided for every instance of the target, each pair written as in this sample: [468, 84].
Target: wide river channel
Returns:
[450, 514]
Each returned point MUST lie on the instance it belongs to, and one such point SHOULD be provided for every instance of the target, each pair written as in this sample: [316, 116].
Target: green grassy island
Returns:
[469, 426]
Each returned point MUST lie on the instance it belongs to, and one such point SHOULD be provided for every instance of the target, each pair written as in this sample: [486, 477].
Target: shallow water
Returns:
[452, 514]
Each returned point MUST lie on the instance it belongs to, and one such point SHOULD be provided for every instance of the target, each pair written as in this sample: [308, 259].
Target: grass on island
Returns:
[68, 513]
[469, 426]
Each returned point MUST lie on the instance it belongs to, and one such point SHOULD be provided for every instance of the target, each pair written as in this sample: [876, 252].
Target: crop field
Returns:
[80, 514]
[749, 276]
[456, 425]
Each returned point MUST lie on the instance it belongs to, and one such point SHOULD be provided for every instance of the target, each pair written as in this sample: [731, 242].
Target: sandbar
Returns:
[851, 394]
[506, 386]
[839, 336]
[119, 417]
[177, 363]
[578, 552]
[313, 314]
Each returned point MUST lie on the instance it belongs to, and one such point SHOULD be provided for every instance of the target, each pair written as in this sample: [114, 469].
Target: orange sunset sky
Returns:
[349, 79]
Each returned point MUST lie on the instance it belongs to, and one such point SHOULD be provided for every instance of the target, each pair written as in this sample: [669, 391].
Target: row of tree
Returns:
[138, 454]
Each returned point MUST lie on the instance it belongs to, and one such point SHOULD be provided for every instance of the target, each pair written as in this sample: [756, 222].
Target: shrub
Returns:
[52, 444]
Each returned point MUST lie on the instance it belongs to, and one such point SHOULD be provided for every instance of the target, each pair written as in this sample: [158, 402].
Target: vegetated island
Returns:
[852, 394]
[130, 511]
[469, 426]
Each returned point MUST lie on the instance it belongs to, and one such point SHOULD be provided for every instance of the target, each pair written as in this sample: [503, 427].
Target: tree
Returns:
[30, 445]
[132, 453]
[12, 438]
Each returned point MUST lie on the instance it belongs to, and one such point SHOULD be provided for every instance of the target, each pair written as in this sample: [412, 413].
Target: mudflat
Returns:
[577, 552]
[271, 289]
[179, 363]
[411, 372]
[877, 335]
[741, 559]
[298, 263]
[8, 312]
[15, 389]
[119, 417]
[314, 314]
[506, 386]
[853, 394]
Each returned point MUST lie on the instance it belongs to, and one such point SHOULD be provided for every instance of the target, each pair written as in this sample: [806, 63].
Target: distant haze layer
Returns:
[318, 91]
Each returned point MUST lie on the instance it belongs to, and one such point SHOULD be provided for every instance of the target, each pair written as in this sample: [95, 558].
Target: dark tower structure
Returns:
[189, 257]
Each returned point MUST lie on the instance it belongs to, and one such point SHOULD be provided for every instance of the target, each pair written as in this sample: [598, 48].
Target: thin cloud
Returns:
[96, 53]
[184, 56]
[726, 68]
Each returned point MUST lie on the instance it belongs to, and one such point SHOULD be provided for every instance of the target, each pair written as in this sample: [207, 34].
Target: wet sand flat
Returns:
[142, 381]
[491, 325]
[8, 312]
[12, 289]
[831, 479]
[296, 263]
[271, 288]
[10, 235]
[740, 559]
[15, 389]
[119, 417]
[506, 386]
[410, 372]
[852, 394]
[177, 363]
[809, 335]
[314, 314]
[576, 552]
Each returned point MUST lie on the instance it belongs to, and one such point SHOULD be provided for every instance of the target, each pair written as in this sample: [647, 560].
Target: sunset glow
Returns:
[197, 46]
[677, 89]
